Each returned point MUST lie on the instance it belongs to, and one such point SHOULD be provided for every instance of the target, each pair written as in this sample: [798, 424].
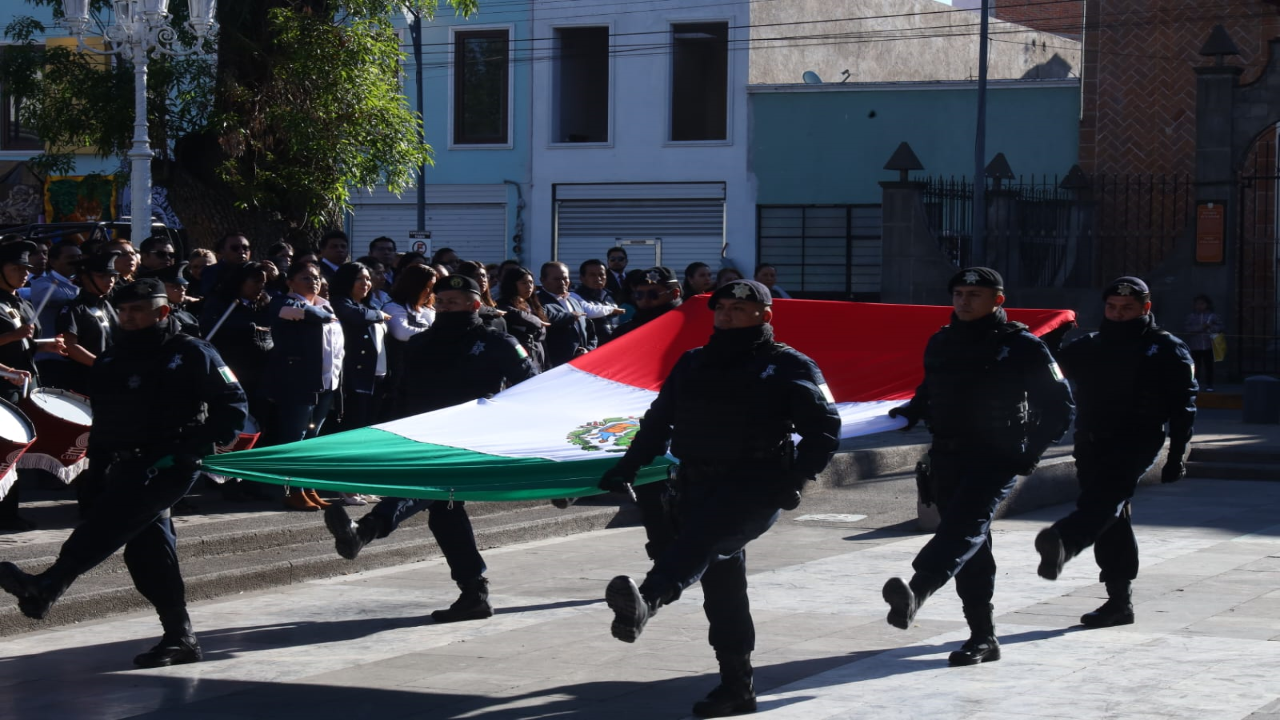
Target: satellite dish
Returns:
[811, 78]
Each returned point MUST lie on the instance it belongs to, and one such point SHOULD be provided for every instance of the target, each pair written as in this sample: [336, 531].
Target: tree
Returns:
[299, 102]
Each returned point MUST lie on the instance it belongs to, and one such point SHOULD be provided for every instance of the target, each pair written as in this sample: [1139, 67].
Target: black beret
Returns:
[172, 274]
[103, 262]
[17, 252]
[1127, 286]
[976, 277]
[657, 275]
[749, 290]
[144, 289]
[459, 282]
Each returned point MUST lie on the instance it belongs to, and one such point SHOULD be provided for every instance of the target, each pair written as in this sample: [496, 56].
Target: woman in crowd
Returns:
[726, 276]
[526, 322]
[767, 275]
[197, 261]
[126, 262]
[409, 259]
[410, 313]
[1198, 331]
[378, 273]
[304, 368]
[364, 365]
[490, 315]
[697, 280]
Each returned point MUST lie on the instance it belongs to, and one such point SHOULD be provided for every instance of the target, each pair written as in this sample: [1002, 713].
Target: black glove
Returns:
[905, 411]
[619, 479]
[184, 462]
[788, 496]
[1174, 468]
[924, 483]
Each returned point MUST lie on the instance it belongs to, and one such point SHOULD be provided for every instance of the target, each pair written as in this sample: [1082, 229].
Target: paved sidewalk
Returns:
[1206, 644]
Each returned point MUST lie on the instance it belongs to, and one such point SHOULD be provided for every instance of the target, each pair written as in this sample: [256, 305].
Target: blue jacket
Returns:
[360, 364]
[567, 332]
[295, 364]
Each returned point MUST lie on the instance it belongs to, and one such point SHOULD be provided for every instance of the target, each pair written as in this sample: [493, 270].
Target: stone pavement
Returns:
[1206, 644]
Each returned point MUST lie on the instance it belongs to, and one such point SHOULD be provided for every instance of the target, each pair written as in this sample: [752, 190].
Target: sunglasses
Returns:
[243, 248]
[162, 254]
[649, 294]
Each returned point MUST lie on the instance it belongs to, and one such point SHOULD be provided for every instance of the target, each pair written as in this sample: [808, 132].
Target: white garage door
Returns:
[474, 231]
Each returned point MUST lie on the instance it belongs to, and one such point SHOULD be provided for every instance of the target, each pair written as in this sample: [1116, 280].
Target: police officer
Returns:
[728, 411]
[465, 361]
[985, 379]
[87, 322]
[1131, 378]
[175, 288]
[19, 329]
[655, 293]
[161, 401]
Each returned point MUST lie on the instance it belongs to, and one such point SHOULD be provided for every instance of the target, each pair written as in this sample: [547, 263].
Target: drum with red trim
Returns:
[62, 420]
[16, 435]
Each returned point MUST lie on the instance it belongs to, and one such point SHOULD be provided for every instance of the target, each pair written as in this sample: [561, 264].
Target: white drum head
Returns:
[14, 427]
[64, 407]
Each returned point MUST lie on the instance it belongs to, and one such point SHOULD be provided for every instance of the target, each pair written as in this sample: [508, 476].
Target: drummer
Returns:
[18, 344]
[175, 287]
[87, 323]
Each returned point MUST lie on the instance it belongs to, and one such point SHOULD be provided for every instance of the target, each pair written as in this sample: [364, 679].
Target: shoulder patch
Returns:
[1056, 372]
[520, 351]
[227, 375]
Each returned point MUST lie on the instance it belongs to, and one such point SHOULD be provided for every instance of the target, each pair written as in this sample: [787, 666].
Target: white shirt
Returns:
[406, 323]
[333, 349]
[593, 309]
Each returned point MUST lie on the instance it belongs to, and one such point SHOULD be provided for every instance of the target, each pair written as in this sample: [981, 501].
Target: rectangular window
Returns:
[699, 81]
[581, 107]
[823, 252]
[480, 87]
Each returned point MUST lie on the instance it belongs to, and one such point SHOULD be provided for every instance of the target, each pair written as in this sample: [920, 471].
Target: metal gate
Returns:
[1258, 343]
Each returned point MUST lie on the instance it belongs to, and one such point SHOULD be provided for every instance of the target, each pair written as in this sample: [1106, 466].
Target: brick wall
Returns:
[1138, 87]
[1061, 17]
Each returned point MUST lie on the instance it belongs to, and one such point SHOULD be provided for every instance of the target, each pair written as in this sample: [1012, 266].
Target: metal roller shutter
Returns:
[474, 231]
[684, 231]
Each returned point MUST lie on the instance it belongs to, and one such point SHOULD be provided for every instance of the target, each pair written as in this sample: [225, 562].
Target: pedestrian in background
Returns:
[1198, 331]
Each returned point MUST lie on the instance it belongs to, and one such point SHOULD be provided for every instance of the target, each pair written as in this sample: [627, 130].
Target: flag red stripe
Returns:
[867, 351]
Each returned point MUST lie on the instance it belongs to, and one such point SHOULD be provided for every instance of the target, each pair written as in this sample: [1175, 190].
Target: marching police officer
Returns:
[985, 381]
[175, 287]
[1131, 378]
[727, 411]
[87, 322]
[465, 360]
[161, 401]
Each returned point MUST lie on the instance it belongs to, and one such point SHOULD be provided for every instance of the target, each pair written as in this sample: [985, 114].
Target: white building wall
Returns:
[639, 149]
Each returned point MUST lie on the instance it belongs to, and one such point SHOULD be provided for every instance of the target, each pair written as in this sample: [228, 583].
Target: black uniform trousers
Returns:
[125, 507]
[968, 486]
[718, 513]
[449, 523]
[1109, 470]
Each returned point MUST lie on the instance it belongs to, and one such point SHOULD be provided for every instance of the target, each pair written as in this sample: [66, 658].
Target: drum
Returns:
[62, 420]
[247, 439]
[16, 435]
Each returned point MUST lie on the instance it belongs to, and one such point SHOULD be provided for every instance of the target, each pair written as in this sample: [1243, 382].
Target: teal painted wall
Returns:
[825, 148]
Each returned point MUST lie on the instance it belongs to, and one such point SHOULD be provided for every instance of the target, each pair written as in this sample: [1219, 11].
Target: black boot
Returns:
[982, 645]
[349, 536]
[906, 598]
[35, 593]
[735, 694]
[1117, 610]
[631, 607]
[178, 645]
[1053, 554]
[473, 604]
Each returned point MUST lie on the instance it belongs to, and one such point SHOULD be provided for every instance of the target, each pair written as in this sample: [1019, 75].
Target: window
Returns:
[823, 252]
[480, 88]
[581, 107]
[699, 81]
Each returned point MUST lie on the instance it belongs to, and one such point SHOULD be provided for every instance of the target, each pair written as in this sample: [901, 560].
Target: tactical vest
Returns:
[734, 412]
[1121, 386]
[977, 394]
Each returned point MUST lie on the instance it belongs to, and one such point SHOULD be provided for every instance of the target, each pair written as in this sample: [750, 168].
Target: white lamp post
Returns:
[140, 27]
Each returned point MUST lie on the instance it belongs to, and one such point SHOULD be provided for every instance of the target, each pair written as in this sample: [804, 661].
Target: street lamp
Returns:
[140, 27]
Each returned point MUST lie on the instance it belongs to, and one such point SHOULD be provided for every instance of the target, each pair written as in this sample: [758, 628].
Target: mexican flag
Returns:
[554, 435]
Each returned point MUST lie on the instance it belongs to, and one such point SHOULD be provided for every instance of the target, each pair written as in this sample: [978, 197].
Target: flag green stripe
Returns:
[407, 468]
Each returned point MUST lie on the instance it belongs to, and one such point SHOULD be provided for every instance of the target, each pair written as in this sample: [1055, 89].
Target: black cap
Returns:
[172, 274]
[103, 262]
[459, 282]
[976, 277]
[17, 252]
[748, 290]
[1128, 286]
[144, 289]
[657, 275]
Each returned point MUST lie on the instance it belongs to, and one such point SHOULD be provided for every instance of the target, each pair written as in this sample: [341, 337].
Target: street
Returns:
[1206, 643]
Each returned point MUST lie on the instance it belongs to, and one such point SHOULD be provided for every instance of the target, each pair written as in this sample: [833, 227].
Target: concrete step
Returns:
[1220, 400]
[1233, 470]
[1246, 456]
[304, 555]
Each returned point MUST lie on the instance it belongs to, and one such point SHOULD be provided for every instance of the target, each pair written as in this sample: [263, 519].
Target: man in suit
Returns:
[570, 333]
[335, 251]
[616, 280]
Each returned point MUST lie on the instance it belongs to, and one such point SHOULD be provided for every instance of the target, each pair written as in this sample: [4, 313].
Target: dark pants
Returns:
[449, 524]
[658, 527]
[717, 518]
[1108, 471]
[1204, 367]
[359, 409]
[967, 488]
[298, 420]
[125, 508]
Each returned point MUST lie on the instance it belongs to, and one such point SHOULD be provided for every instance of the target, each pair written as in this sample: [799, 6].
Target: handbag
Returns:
[1219, 347]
